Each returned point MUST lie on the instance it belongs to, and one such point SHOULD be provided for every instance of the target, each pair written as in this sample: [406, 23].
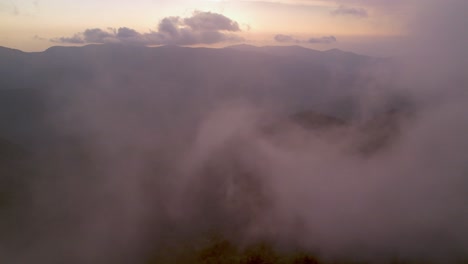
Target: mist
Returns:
[118, 153]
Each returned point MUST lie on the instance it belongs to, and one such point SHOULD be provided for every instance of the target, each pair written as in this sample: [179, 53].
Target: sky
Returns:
[35, 25]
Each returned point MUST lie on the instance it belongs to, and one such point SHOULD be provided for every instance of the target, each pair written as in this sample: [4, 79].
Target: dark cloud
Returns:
[125, 32]
[350, 11]
[201, 28]
[207, 21]
[325, 40]
[212, 37]
[97, 35]
[169, 25]
[290, 39]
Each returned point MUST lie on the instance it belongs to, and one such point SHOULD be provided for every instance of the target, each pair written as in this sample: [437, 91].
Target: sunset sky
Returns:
[34, 25]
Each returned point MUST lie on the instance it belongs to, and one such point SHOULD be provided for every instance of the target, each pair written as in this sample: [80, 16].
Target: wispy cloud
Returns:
[349, 11]
[286, 38]
[15, 11]
[324, 40]
[37, 37]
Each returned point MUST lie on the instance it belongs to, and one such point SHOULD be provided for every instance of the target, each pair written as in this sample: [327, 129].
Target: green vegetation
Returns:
[218, 250]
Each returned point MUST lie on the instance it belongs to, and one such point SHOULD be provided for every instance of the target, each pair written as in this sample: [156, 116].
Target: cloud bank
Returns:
[200, 28]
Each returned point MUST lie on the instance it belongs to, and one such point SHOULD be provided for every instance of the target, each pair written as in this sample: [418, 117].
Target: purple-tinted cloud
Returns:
[201, 28]
[125, 32]
[75, 39]
[290, 39]
[207, 21]
[350, 11]
[324, 40]
[286, 39]
[96, 35]
[169, 25]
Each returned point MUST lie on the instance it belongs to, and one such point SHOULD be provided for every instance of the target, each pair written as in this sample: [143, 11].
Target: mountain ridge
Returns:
[243, 47]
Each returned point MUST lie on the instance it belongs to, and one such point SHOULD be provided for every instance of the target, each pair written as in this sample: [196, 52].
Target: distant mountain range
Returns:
[290, 77]
[170, 83]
